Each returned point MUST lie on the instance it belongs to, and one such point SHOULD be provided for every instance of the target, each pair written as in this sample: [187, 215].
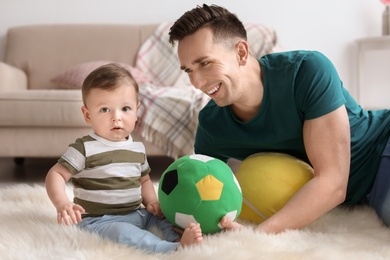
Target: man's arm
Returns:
[327, 144]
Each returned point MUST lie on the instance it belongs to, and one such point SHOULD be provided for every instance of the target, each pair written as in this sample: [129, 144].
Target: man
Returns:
[290, 102]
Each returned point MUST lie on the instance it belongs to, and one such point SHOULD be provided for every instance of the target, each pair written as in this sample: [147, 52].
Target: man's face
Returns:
[212, 67]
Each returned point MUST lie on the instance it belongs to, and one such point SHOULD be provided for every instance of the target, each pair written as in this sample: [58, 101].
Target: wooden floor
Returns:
[34, 170]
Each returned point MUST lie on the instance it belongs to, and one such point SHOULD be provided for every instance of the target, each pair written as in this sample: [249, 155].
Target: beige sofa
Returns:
[37, 118]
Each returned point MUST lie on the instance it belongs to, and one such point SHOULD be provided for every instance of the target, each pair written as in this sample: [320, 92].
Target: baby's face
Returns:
[112, 114]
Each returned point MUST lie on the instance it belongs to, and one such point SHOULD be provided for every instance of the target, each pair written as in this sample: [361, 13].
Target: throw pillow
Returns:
[73, 77]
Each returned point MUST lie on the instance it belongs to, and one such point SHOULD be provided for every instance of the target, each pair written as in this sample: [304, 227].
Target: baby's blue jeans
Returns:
[379, 199]
[132, 229]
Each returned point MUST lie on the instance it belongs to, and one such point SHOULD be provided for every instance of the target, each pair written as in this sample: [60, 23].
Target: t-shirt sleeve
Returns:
[74, 157]
[145, 167]
[318, 87]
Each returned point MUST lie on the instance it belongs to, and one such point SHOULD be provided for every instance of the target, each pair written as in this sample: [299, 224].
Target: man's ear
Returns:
[243, 52]
[87, 116]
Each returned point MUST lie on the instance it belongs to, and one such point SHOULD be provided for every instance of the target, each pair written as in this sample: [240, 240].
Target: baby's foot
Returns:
[228, 224]
[192, 235]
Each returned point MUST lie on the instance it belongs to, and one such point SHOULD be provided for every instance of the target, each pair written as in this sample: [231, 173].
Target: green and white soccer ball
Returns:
[199, 189]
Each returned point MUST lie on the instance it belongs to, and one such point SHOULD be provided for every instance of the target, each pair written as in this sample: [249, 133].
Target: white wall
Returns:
[328, 26]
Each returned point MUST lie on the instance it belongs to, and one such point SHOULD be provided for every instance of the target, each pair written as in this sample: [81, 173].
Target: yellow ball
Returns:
[268, 181]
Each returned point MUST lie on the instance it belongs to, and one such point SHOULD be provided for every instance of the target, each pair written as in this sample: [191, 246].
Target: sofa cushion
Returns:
[41, 108]
[44, 51]
[73, 77]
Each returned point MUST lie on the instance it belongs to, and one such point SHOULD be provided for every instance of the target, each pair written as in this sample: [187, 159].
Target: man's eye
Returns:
[104, 109]
[204, 63]
[126, 109]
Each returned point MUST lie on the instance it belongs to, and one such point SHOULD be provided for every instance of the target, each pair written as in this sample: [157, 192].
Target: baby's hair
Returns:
[107, 77]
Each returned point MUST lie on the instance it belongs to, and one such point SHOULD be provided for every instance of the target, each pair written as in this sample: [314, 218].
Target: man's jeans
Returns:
[380, 195]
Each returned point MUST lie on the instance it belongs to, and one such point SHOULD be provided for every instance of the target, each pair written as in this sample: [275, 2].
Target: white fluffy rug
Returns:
[28, 230]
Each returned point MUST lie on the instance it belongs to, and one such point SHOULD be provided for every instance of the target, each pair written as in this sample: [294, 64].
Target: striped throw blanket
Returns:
[168, 117]
[169, 109]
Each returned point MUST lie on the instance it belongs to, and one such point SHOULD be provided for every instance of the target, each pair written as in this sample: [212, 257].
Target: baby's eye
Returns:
[126, 109]
[104, 110]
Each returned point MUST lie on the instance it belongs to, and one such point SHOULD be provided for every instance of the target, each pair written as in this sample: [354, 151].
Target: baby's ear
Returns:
[86, 114]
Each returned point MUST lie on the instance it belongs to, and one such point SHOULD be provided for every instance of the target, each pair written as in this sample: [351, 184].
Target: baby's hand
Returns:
[154, 208]
[69, 213]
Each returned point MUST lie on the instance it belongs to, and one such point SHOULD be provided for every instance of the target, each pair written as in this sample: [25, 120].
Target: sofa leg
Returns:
[19, 161]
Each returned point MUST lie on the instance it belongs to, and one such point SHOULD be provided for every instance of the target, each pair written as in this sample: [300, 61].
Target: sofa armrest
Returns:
[12, 78]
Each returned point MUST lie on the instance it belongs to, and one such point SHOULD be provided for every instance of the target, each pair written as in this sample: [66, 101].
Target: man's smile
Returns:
[214, 89]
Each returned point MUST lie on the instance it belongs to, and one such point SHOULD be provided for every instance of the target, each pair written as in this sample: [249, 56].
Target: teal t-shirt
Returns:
[298, 85]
